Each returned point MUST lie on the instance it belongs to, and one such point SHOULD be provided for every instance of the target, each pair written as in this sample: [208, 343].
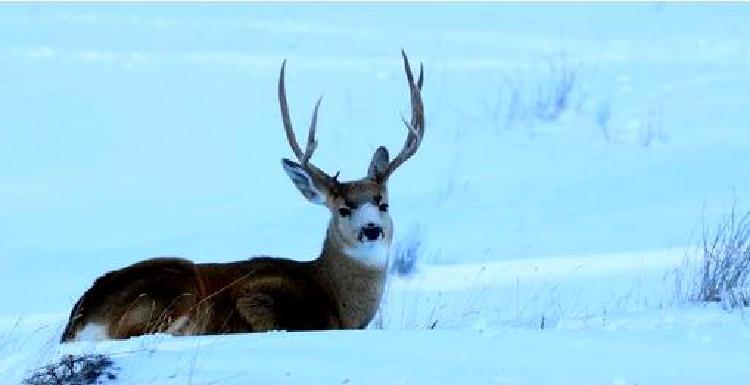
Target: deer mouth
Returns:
[370, 234]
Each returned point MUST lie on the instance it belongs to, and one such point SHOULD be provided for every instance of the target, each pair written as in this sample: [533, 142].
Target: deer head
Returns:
[360, 224]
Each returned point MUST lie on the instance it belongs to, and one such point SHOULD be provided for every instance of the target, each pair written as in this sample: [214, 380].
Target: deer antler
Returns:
[312, 143]
[416, 124]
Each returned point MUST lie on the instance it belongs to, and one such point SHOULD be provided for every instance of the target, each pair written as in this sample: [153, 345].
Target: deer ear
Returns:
[304, 182]
[378, 164]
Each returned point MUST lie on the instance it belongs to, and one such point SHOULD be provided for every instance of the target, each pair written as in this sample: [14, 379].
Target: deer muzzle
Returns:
[370, 233]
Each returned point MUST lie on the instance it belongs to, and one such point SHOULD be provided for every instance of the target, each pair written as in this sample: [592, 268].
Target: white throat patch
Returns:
[372, 254]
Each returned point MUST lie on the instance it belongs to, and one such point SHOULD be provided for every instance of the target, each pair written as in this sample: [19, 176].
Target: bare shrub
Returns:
[651, 128]
[554, 96]
[544, 100]
[724, 272]
[603, 119]
[406, 253]
[88, 369]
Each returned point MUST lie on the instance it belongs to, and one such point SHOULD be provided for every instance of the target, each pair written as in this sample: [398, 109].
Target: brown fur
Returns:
[256, 295]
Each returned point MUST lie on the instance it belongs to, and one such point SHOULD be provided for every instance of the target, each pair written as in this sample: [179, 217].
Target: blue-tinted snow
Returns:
[135, 131]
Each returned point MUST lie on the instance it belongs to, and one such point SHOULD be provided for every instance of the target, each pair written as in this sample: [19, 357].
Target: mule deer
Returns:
[341, 289]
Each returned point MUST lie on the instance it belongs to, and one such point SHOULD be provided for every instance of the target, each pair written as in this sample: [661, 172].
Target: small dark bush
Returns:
[89, 369]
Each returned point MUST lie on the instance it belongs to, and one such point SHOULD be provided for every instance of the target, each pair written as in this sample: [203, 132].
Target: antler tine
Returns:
[416, 124]
[312, 144]
[421, 76]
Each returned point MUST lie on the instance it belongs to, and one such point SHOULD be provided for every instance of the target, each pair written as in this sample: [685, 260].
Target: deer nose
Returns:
[371, 232]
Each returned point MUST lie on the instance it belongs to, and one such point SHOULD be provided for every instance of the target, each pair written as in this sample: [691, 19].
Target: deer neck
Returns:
[355, 277]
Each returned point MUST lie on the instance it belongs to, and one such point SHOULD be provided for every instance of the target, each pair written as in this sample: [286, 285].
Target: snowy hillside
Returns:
[570, 154]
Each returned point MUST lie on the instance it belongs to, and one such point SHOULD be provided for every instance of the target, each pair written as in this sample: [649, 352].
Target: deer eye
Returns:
[345, 212]
[383, 207]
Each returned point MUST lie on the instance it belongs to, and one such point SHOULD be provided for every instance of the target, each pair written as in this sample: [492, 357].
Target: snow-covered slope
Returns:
[129, 132]
[700, 354]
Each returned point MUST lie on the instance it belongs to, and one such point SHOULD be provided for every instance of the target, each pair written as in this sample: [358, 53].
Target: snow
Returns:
[549, 249]
[506, 356]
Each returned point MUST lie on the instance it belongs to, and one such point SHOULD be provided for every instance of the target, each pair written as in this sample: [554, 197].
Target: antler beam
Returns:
[312, 143]
[416, 125]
